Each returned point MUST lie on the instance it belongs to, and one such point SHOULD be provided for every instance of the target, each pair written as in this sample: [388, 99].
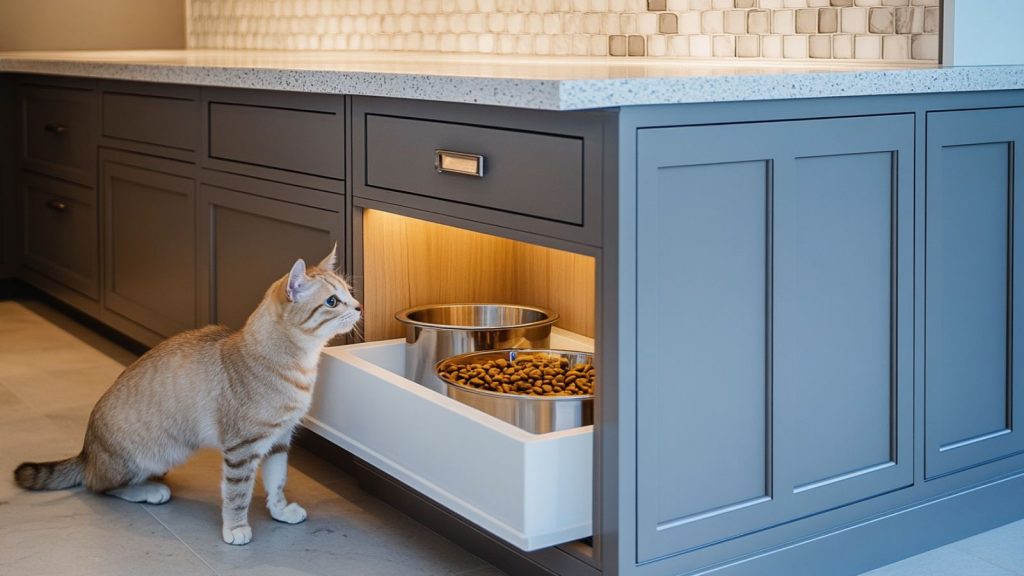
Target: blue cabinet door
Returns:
[774, 322]
[973, 399]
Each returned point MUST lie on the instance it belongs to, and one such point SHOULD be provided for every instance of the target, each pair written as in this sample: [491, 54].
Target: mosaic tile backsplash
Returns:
[900, 30]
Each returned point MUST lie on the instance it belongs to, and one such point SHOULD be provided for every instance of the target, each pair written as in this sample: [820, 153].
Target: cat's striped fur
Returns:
[240, 391]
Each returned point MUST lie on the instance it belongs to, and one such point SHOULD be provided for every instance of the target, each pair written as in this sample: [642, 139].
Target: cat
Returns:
[240, 391]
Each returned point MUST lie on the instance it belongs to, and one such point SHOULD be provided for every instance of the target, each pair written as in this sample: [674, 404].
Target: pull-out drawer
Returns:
[152, 119]
[61, 232]
[531, 490]
[539, 175]
[57, 130]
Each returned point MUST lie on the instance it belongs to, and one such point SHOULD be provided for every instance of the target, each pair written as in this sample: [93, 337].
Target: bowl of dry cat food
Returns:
[539, 391]
[438, 331]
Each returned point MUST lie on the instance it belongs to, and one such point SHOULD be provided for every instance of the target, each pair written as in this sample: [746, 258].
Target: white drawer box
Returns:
[531, 490]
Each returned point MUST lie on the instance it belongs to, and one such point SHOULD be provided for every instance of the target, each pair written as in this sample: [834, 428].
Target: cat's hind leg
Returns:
[148, 492]
[275, 475]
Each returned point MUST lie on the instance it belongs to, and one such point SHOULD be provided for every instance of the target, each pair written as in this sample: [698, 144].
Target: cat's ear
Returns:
[331, 261]
[297, 280]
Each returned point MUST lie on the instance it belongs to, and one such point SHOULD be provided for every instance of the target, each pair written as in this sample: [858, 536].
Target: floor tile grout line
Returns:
[183, 543]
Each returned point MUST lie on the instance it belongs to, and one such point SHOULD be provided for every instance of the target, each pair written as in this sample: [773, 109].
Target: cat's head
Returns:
[318, 301]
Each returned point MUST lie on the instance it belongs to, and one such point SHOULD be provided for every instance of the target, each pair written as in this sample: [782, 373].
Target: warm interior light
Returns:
[409, 262]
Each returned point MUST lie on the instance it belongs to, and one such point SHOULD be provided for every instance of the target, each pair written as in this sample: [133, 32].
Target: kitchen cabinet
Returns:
[250, 233]
[8, 241]
[803, 312]
[974, 339]
[149, 244]
[56, 182]
[773, 360]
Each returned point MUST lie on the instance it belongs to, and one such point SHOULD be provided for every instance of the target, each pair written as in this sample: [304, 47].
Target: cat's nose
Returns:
[359, 307]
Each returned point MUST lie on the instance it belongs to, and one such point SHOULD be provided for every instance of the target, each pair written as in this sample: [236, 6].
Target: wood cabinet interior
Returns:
[409, 262]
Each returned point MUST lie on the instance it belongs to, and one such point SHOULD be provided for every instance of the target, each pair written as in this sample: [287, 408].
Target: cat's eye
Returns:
[332, 301]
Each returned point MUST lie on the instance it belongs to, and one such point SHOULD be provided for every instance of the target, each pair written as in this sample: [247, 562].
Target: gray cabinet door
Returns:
[149, 240]
[774, 322]
[247, 242]
[973, 400]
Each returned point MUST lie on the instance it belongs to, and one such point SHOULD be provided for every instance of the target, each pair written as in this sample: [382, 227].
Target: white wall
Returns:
[91, 24]
[983, 32]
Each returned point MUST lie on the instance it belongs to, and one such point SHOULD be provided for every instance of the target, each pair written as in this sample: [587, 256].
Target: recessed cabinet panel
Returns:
[710, 218]
[774, 324]
[60, 232]
[171, 122]
[248, 242]
[58, 128]
[836, 299]
[972, 269]
[303, 141]
[149, 245]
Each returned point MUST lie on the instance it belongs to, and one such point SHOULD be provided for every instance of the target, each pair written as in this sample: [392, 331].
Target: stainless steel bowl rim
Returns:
[527, 397]
[550, 318]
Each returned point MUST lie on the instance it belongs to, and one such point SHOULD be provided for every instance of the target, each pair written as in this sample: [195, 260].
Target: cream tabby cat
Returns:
[240, 391]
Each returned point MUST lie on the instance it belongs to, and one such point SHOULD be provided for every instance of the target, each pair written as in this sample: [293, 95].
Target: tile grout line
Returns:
[183, 543]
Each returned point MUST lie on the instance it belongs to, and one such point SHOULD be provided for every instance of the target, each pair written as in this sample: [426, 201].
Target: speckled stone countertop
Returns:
[544, 83]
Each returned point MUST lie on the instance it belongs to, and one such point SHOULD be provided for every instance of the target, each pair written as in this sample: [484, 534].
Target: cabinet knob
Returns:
[449, 162]
[56, 128]
[57, 205]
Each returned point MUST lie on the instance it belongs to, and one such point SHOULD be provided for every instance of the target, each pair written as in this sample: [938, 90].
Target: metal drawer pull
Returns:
[57, 205]
[446, 161]
[56, 128]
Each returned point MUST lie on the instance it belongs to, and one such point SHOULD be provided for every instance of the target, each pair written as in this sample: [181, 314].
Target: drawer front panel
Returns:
[303, 141]
[60, 235]
[57, 130]
[171, 122]
[539, 175]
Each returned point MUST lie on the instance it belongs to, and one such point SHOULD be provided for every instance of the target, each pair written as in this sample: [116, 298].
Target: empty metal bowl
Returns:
[536, 414]
[438, 331]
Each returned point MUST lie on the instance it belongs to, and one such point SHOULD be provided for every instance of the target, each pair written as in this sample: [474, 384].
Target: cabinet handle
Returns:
[57, 205]
[448, 162]
[57, 129]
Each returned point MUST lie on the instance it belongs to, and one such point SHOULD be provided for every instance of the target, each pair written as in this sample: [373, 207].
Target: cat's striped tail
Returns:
[56, 475]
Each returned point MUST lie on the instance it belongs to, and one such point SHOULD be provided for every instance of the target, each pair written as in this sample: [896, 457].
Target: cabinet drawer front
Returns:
[57, 129]
[60, 234]
[538, 175]
[361, 397]
[171, 122]
[303, 141]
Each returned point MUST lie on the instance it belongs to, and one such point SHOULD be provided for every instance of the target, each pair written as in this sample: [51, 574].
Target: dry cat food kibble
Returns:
[528, 374]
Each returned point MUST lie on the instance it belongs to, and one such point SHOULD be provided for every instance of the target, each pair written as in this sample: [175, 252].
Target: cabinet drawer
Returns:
[171, 122]
[60, 232]
[303, 141]
[361, 401]
[57, 130]
[537, 175]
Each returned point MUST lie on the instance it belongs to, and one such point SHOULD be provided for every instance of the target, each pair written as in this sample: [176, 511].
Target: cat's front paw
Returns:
[290, 514]
[238, 536]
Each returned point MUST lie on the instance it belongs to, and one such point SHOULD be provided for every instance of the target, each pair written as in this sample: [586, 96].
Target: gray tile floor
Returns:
[52, 371]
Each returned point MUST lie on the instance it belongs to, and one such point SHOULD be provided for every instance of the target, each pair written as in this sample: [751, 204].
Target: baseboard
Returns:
[890, 537]
[547, 562]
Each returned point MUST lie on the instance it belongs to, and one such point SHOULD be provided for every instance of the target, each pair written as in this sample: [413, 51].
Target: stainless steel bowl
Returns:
[439, 331]
[537, 414]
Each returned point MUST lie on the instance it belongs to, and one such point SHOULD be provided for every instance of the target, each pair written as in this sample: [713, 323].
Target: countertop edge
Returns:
[548, 94]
